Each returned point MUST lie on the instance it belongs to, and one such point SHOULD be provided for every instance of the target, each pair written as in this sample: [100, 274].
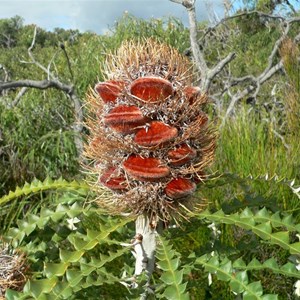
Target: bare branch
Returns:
[50, 75]
[267, 74]
[51, 82]
[177, 1]
[6, 75]
[236, 16]
[62, 46]
[212, 73]
[197, 53]
[68, 89]
[19, 96]
[43, 84]
[206, 74]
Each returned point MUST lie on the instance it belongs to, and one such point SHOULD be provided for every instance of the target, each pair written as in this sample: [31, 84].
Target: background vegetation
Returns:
[257, 168]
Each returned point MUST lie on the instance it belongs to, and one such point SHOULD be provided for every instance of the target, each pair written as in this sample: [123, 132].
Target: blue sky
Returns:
[99, 15]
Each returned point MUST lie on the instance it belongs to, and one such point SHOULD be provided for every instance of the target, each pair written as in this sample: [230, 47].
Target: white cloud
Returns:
[98, 15]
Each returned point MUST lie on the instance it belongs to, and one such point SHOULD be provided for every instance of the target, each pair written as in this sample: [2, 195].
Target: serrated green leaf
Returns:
[263, 230]
[55, 269]
[94, 238]
[172, 293]
[239, 264]
[62, 290]
[167, 264]
[289, 268]
[73, 277]
[245, 223]
[288, 220]
[70, 256]
[86, 269]
[57, 216]
[254, 263]
[276, 220]
[224, 272]
[238, 285]
[81, 244]
[169, 277]
[212, 265]
[46, 212]
[281, 238]
[246, 213]
[263, 213]
[203, 258]
[37, 186]
[269, 297]
[295, 248]
[254, 289]
[26, 227]
[16, 235]
[271, 263]
[38, 287]
[168, 260]
[14, 295]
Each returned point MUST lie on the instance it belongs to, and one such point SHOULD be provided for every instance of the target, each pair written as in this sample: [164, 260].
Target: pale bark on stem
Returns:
[145, 250]
[147, 259]
[197, 54]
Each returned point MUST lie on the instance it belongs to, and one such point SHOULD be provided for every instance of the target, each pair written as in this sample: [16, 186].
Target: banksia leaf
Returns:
[150, 140]
[39, 186]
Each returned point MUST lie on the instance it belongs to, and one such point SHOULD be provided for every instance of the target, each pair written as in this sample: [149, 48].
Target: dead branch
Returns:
[33, 60]
[270, 70]
[207, 75]
[51, 82]
[43, 84]
[19, 96]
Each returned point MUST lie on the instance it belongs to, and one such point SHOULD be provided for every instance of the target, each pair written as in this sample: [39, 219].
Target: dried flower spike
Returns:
[150, 138]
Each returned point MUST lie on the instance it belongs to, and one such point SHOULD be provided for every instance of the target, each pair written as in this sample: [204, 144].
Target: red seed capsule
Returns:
[145, 169]
[157, 133]
[151, 89]
[112, 180]
[181, 155]
[180, 188]
[109, 90]
[125, 119]
[125, 129]
[124, 114]
[191, 93]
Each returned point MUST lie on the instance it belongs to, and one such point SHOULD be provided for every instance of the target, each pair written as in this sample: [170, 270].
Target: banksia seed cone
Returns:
[13, 269]
[149, 139]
